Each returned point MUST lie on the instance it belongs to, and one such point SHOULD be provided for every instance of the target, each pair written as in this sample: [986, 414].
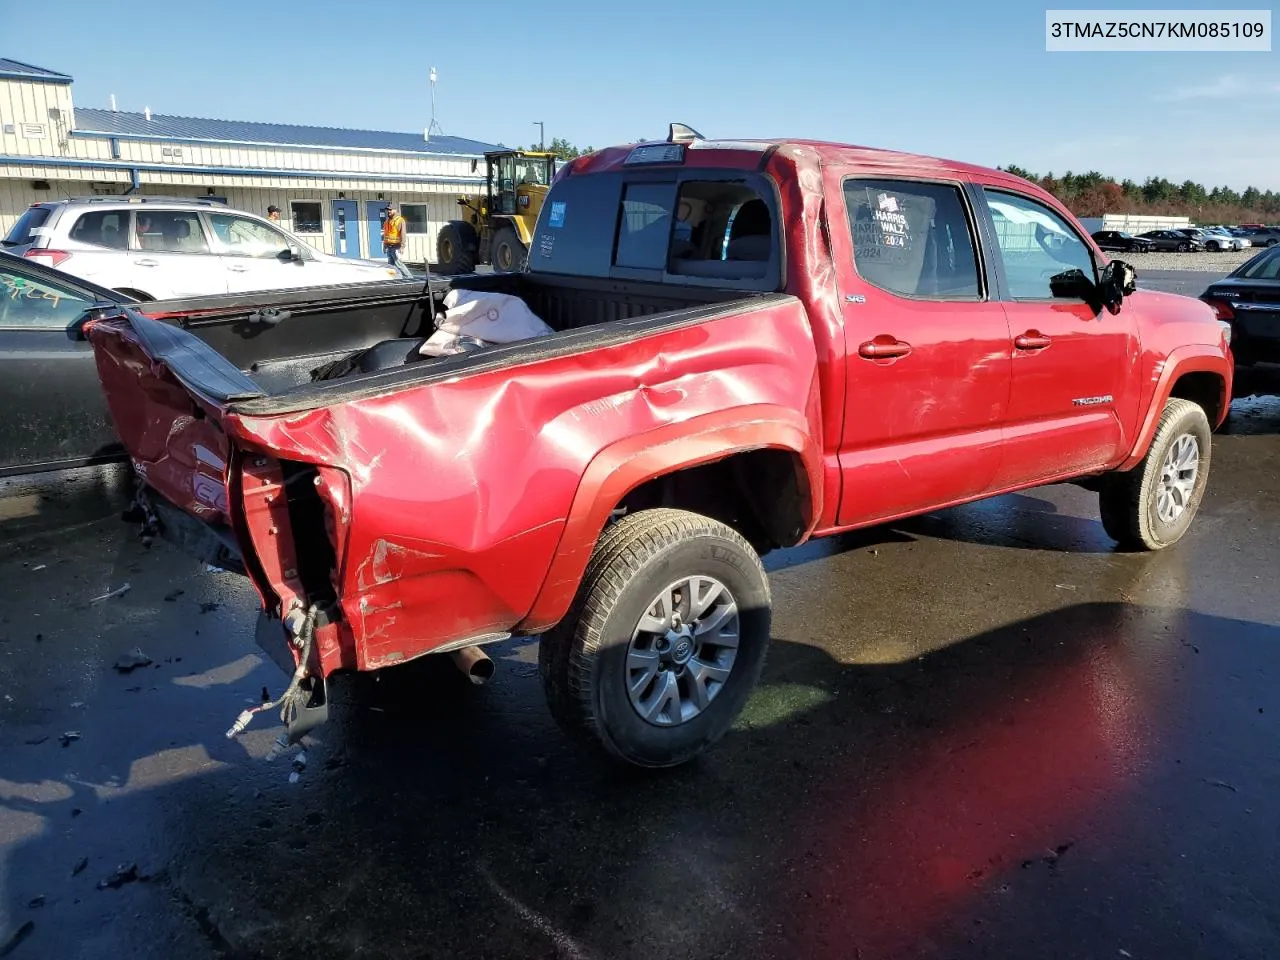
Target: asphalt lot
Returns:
[981, 733]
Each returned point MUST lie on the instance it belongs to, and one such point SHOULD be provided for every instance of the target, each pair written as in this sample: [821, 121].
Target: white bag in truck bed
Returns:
[489, 317]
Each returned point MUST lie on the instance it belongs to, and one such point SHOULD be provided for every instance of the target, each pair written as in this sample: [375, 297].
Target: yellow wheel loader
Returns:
[497, 227]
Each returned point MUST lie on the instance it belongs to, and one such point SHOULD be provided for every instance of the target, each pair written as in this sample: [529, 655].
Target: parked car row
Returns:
[157, 248]
[1188, 239]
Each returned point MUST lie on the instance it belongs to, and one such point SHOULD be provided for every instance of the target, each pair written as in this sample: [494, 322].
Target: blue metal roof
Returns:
[120, 123]
[14, 70]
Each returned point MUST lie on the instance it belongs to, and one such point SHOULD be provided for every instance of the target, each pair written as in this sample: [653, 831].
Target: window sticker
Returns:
[557, 213]
[892, 221]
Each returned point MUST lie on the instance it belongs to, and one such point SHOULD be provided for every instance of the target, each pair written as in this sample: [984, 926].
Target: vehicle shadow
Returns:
[1255, 408]
[857, 809]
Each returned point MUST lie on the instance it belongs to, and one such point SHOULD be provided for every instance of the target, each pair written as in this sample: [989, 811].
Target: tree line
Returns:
[1093, 194]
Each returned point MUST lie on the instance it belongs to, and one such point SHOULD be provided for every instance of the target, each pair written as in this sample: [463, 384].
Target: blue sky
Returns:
[969, 82]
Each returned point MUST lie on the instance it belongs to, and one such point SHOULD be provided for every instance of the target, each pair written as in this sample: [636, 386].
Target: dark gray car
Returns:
[1172, 240]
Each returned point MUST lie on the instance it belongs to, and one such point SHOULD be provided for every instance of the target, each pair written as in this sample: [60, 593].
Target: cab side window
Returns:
[913, 239]
[1036, 245]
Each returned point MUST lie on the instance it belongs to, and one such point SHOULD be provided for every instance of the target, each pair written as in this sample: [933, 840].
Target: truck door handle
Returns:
[147, 262]
[1032, 340]
[883, 347]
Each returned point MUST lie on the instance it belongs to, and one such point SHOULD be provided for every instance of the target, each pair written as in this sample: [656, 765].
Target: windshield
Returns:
[1263, 267]
[21, 234]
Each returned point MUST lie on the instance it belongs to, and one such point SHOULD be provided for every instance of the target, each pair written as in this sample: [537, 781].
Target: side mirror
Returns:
[1118, 281]
[95, 311]
[294, 253]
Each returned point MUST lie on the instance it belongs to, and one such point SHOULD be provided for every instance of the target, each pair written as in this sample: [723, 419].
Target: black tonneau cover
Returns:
[199, 367]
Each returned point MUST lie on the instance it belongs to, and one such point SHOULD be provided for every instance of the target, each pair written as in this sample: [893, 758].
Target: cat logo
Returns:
[1092, 401]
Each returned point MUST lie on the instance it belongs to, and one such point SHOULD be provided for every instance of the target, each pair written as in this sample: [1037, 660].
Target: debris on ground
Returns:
[209, 606]
[1051, 857]
[69, 737]
[300, 760]
[79, 867]
[76, 705]
[42, 566]
[173, 597]
[36, 741]
[119, 591]
[75, 812]
[1064, 586]
[15, 941]
[35, 903]
[132, 660]
[293, 777]
[125, 873]
[1223, 784]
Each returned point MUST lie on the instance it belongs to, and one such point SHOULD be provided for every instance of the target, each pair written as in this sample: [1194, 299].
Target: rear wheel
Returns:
[508, 253]
[1184, 247]
[1213, 246]
[1151, 506]
[456, 248]
[666, 639]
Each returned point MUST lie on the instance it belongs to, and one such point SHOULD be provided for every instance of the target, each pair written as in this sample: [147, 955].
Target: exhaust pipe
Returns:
[474, 664]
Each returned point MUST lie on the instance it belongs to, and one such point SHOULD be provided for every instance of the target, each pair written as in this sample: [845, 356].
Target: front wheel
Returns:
[1184, 247]
[456, 248]
[508, 253]
[665, 641]
[1151, 506]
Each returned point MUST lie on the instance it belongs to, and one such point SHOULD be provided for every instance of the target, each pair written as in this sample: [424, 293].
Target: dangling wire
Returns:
[294, 696]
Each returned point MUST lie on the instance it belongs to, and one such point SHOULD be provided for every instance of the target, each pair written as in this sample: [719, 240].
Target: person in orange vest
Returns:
[393, 228]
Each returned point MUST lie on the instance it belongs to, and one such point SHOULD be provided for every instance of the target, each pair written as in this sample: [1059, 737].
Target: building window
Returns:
[415, 217]
[306, 217]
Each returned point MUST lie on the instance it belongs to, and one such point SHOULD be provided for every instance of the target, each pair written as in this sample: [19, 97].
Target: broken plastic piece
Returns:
[69, 737]
[132, 660]
[119, 591]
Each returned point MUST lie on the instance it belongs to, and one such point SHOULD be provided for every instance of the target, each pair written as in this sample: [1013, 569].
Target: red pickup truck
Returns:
[754, 343]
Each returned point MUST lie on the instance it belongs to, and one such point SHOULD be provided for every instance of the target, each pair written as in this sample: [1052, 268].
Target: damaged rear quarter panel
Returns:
[459, 490]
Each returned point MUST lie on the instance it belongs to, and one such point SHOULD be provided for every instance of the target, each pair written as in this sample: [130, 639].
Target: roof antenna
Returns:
[680, 133]
[113, 103]
[147, 112]
[435, 124]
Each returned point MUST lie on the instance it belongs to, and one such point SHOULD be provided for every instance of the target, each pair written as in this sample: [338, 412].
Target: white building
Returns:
[330, 184]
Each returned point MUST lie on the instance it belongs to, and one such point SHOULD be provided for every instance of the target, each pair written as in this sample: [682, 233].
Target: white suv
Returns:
[155, 248]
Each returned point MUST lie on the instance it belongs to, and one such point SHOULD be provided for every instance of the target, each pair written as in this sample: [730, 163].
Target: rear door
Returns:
[1072, 360]
[927, 347]
[172, 256]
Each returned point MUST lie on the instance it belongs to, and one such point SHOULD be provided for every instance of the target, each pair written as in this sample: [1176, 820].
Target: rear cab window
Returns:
[695, 226]
[23, 232]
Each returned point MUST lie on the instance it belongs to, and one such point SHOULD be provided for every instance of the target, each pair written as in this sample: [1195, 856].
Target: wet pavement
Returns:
[981, 733]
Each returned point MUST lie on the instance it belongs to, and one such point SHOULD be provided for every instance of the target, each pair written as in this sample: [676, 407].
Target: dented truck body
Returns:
[432, 505]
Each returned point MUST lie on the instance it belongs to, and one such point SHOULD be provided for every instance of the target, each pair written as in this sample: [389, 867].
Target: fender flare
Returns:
[624, 465]
[1194, 358]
